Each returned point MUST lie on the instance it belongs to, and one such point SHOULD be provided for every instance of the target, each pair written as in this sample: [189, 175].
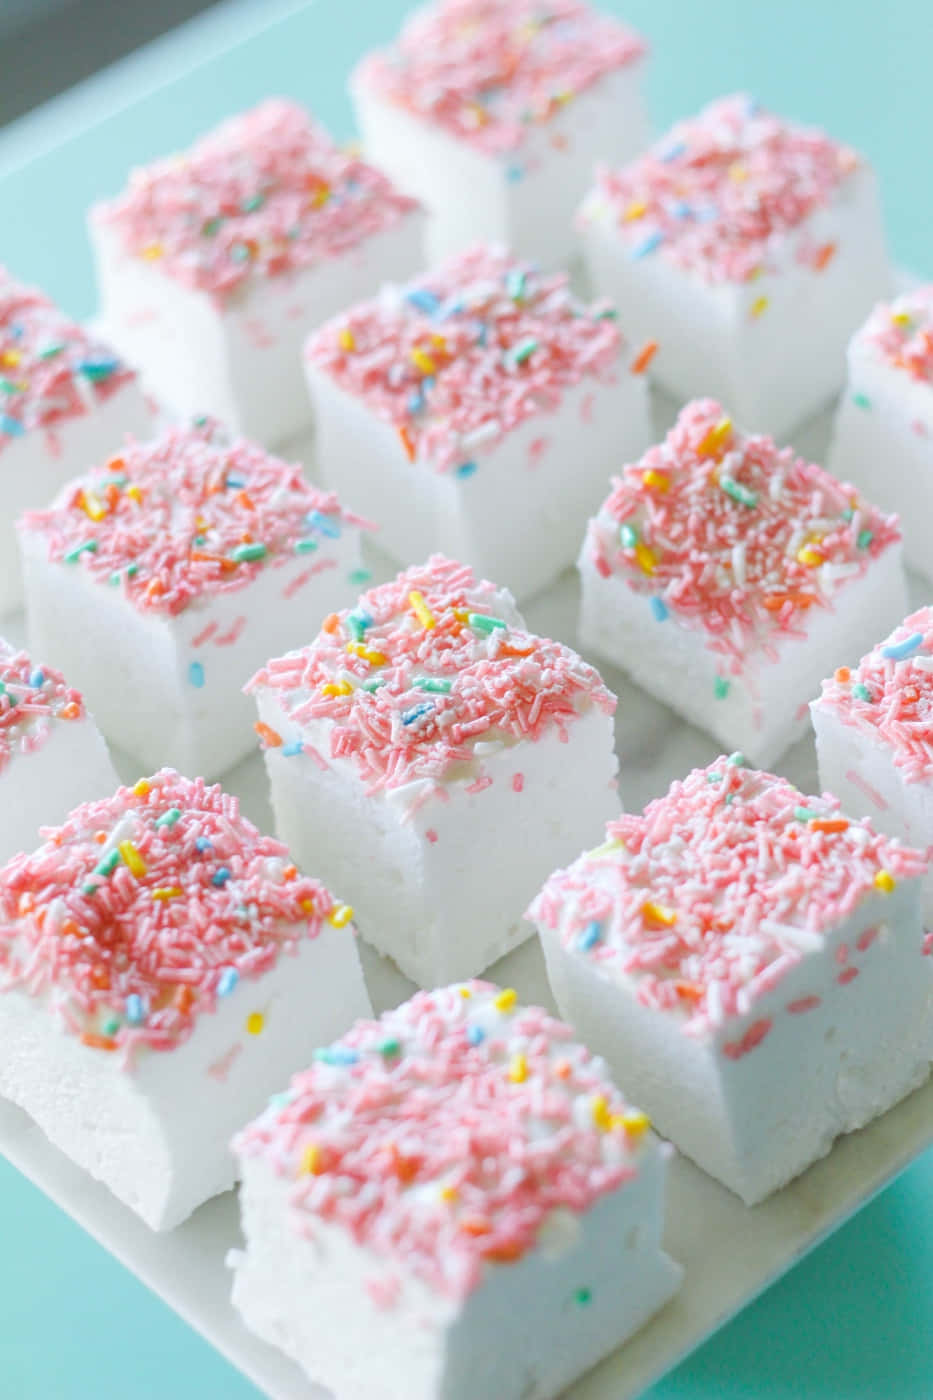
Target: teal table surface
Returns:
[855, 1318]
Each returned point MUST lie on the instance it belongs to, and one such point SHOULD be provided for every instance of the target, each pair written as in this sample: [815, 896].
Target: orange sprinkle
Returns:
[116, 464]
[562, 1069]
[644, 357]
[70, 711]
[290, 872]
[842, 674]
[505, 1253]
[268, 735]
[100, 978]
[829, 824]
[824, 255]
[407, 442]
[331, 622]
[475, 1225]
[98, 1042]
[244, 499]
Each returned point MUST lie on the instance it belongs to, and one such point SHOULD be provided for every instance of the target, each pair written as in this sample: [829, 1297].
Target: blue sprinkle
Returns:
[450, 308]
[416, 402]
[476, 1035]
[590, 936]
[221, 876]
[423, 299]
[36, 679]
[897, 651]
[228, 979]
[680, 209]
[336, 1055]
[292, 749]
[235, 483]
[135, 1011]
[646, 246]
[514, 173]
[100, 368]
[327, 524]
[659, 608]
[676, 149]
[465, 469]
[11, 426]
[409, 716]
[281, 1100]
[196, 674]
[202, 844]
[482, 333]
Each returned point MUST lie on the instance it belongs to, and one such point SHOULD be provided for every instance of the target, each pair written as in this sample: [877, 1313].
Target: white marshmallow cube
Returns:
[436, 758]
[752, 966]
[504, 1232]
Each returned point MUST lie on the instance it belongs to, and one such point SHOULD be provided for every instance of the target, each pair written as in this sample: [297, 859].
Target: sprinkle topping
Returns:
[735, 535]
[490, 71]
[265, 194]
[718, 194]
[31, 699]
[118, 924]
[469, 352]
[449, 1131]
[185, 517]
[711, 896]
[901, 334]
[50, 368]
[889, 695]
[424, 701]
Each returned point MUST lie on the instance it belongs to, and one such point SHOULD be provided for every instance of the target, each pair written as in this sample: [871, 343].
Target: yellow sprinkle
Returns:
[449, 1193]
[311, 1160]
[809, 557]
[656, 480]
[421, 610]
[465, 993]
[152, 251]
[646, 558]
[506, 999]
[92, 505]
[142, 788]
[635, 210]
[601, 1115]
[11, 358]
[340, 916]
[307, 905]
[346, 339]
[255, 1022]
[759, 306]
[462, 615]
[659, 914]
[715, 438]
[134, 493]
[320, 197]
[884, 880]
[440, 341]
[737, 172]
[604, 850]
[423, 361]
[633, 1121]
[901, 318]
[133, 860]
[336, 688]
[360, 649]
[167, 892]
[518, 1070]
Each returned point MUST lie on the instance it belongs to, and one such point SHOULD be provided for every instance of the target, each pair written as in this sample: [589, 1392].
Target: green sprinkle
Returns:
[730, 798]
[89, 547]
[132, 570]
[239, 252]
[8, 387]
[111, 1025]
[524, 352]
[608, 313]
[256, 201]
[372, 685]
[305, 546]
[390, 1048]
[861, 400]
[89, 888]
[199, 541]
[52, 350]
[359, 575]
[805, 814]
[715, 777]
[864, 538]
[629, 536]
[247, 553]
[208, 229]
[436, 687]
[861, 692]
[515, 284]
[738, 492]
[847, 514]
[738, 760]
[583, 1296]
[169, 818]
[483, 623]
[720, 687]
[109, 863]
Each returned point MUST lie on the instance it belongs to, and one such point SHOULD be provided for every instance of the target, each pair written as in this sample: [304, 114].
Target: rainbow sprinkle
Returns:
[31, 700]
[900, 334]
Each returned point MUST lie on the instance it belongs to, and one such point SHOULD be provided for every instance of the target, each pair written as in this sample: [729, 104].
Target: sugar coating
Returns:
[265, 195]
[714, 893]
[486, 71]
[720, 190]
[461, 357]
[144, 909]
[424, 671]
[463, 1121]
[51, 369]
[184, 518]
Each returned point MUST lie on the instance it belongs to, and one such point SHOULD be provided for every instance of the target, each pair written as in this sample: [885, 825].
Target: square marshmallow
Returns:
[480, 411]
[725, 574]
[65, 399]
[52, 755]
[437, 761]
[453, 1201]
[493, 113]
[163, 967]
[751, 964]
[883, 438]
[214, 265]
[160, 580]
[751, 249]
[874, 734]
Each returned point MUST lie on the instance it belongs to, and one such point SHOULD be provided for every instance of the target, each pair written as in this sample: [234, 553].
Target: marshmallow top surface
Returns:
[425, 668]
[31, 699]
[900, 334]
[450, 1131]
[265, 194]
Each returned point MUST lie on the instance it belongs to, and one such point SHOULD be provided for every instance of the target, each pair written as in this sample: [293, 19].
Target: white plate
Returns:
[730, 1252]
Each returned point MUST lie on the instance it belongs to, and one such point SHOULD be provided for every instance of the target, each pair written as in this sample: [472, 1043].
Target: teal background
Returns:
[853, 1320]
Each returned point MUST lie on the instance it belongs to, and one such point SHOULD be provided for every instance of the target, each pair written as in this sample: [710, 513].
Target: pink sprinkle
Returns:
[847, 976]
[736, 1049]
[204, 635]
[479, 785]
[383, 1290]
[536, 451]
[431, 835]
[233, 634]
[927, 944]
[518, 782]
[864, 786]
[866, 938]
[221, 1068]
[842, 954]
[318, 567]
[804, 1004]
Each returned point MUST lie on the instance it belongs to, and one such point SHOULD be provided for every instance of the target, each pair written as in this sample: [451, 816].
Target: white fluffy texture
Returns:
[774, 370]
[886, 449]
[40, 788]
[241, 364]
[520, 516]
[444, 909]
[33, 475]
[159, 1136]
[134, 667]
[756, 1122]
[765, 709]
[471, 195]
[521, 1335]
